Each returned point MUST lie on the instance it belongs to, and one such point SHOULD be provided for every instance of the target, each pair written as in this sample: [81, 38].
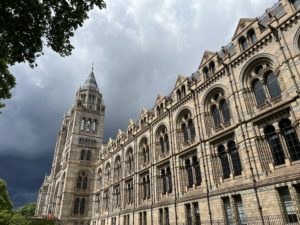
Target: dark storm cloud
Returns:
[138, 47]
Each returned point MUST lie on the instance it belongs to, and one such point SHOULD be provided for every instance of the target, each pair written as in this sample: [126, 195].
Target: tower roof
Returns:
[91, 82]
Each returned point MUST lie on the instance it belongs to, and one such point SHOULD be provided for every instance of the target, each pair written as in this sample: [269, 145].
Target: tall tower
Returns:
[67, 192]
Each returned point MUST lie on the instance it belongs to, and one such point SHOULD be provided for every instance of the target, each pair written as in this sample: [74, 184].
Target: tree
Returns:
[5, 202]
[27, 210]
[27, 26]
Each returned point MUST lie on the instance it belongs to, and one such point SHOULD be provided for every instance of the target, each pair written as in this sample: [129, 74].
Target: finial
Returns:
[92, 67]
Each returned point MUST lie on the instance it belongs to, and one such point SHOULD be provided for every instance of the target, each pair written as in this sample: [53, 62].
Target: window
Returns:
[224, 161]
[186, 127]
[216, 116]
[225, 111]
[243, 43]
[166, 180]
[287, 205]
[235, 158]
[189, 217]
[258, 92]
[273, 86]
[100, 178]
[241, 215]
[108, 173]
[129, 191]
[252, 36]
[212, 68]
[178, 94]
[82, 124]
[291, 139]
[143, 218]
[162, 141]
[117, 169]
[275, 145]
[117, 196]
[193, 172]
[145, 187]
[129, 161]
[94, 125]
[183, 91]
[82, 181]
[145, 153]
[85, 155]
[127, 220]
[206, 73]
[192, 214]
[196, 213]
[163, 218]
[88, 125]
[106, 200]
[113, 221]
[228, 211]
[79, 205]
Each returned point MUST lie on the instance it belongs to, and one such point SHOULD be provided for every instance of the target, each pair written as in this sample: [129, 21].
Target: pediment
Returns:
[143, 112]
[179, 80]
[159, 98]
[206, 56]
[242, 24]
[130, 122]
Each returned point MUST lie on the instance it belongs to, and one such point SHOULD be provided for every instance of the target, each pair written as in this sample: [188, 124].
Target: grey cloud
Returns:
[138, 47]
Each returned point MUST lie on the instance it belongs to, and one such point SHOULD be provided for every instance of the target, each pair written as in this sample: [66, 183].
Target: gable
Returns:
[206, 56]
[159, 98]
[179, 80]
[242, 24]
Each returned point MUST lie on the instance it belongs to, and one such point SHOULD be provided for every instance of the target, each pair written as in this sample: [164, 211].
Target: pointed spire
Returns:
[90, 82]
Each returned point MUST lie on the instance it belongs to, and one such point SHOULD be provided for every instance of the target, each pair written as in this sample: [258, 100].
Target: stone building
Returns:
[222, 148]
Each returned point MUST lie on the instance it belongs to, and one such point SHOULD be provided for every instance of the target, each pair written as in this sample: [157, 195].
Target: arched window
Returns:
[178, 93]
[108, 173]
[243, 43]
[76, 205]
[252, 36]
[88, 125]
[273, 86]
[225, 111]
[275, 145]
[189, 171]
[129, 161]
[224, 161]
[296, 4]
[169, 178]
[212, 68]
[162, 145]
[291, 139]
[164, 181]
[191, 129]
[258, 92]
[216, 116]
[100, 178]
[183, 91]
[88, 155]
[235, 158]
[185, 132]
[94, 125]
[82, 181]
[186, 129]
[82, 124]
[205, 72]
[82, 155]
[197, 170]
[82, 206]
[118, 172]
[144, 150]
[158, 110]
[162, 141]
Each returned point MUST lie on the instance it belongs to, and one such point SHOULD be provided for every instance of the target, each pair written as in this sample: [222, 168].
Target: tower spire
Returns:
[91, 82]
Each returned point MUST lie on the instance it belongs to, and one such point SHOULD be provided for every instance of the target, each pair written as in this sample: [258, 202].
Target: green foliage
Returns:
[42, 222]
[5, 216]
[5, 202]
[27, 210]
[26, 26]
[18, 219]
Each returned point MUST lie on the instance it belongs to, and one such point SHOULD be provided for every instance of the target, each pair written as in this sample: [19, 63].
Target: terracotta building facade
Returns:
[222, 148]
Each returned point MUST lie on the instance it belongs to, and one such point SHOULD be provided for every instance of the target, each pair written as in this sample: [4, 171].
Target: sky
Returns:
[138, 48]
